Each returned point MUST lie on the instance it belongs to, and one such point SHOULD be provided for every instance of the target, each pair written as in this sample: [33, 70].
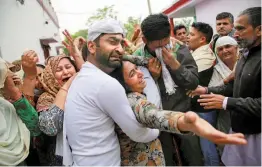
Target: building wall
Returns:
[22, 27]
[207, 10]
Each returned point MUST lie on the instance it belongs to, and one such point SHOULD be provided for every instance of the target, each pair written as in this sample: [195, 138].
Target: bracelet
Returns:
[63, 89]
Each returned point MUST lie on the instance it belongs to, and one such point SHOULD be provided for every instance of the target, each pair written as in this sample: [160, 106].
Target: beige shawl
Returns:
[14, 136]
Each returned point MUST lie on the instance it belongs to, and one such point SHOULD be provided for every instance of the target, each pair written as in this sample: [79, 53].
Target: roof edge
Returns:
[175, 6]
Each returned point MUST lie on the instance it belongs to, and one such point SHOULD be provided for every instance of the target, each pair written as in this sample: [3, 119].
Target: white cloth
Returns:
[225, 103]
[243, 155]
[168, 81]
[14, 136]
[107, 25]
[225, 40]
[95, 102]
[151, 90]
[3, 72]
[221, 71]
[59, 144]
[204, 57]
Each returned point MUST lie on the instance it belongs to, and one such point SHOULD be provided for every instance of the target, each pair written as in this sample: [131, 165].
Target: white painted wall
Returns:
[22, 27]
[207, 10]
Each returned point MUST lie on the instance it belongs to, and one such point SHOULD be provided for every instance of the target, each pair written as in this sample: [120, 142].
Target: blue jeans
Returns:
[208, 148]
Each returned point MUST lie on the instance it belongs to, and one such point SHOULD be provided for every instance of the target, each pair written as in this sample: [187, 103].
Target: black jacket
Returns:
[204, 79]
[186, 78]
[244, 102]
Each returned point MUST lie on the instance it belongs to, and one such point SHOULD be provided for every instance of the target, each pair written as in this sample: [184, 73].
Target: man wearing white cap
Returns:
[96, 101]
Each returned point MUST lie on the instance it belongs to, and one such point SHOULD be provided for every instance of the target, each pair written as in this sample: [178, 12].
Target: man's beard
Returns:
[244, 43]
[104, 59]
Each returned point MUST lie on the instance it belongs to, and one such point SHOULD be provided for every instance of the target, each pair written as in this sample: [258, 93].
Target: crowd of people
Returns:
[156, 100]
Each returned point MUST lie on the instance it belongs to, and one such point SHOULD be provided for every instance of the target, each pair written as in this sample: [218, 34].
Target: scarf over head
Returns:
[14, 136]
[50, 84]
[221, 71]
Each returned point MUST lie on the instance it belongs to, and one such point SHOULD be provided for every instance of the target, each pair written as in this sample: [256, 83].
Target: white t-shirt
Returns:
[94, 103]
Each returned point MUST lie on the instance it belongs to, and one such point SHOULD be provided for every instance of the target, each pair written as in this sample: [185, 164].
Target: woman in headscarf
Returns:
[18, 121]
[55, 79]
[227, 52]
[151, 154]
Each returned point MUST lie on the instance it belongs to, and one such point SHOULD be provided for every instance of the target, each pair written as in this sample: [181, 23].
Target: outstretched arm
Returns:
[176, 122]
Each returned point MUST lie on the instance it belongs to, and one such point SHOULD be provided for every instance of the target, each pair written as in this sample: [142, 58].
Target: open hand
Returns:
[73, 46]
[211, 101]
[192, 122]
[198, 91]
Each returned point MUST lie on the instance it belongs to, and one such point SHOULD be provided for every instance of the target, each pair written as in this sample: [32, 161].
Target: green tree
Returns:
[101, 13]
[107, 12]
[129, 26]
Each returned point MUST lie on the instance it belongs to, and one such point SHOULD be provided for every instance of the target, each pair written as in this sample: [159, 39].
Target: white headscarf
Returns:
[14, 136]
[221, 71]
[3, 72]
[225, 40]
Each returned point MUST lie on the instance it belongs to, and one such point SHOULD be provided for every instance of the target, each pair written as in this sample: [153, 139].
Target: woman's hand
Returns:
[17, 80]
[67, 85]
[231, 77]
[74, 46]
[10, 89]
[200, 90]
[192, 122]
[29, 60]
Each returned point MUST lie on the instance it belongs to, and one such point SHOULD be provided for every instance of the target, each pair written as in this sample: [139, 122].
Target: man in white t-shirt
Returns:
[96, 101]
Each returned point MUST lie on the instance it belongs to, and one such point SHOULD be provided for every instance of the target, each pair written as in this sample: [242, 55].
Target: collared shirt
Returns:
[95, 102]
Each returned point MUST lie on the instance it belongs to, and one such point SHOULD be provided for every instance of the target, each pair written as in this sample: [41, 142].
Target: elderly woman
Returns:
[18, 121]
[55, 79]
[227, 52]
[148, 154]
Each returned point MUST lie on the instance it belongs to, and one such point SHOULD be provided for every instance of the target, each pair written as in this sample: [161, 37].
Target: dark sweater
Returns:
[244, 102]
[186, 78]
[204, 79]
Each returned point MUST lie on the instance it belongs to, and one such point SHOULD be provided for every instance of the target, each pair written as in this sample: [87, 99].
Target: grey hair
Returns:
[254, 16]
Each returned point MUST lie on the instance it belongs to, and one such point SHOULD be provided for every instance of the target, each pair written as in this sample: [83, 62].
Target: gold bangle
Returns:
[63, 89]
